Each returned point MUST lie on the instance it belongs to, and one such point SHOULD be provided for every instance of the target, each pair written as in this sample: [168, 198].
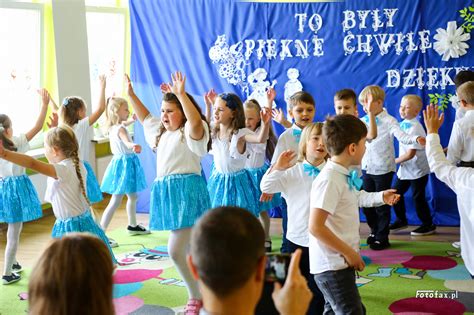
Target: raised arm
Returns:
[101, 106]
[41, 117]
[372, 132]
[190, 111]
[262, 136]
[209, 99]
[140, 110]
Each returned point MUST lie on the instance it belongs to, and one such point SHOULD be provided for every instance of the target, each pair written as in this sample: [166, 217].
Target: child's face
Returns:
[408, 109]
[252, 118]
[345, 107]
[359, 152]
[123, 112]
[302, 113]
[171, 116]
[222, 114]
[315, 147]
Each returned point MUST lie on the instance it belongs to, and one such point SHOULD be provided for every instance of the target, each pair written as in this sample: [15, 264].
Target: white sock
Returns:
[265, 220]
[177, 247]
[114, 203]
[13, 238]
[132, 209]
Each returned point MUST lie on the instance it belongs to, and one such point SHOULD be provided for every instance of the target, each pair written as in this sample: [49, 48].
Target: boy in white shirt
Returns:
[413, 171]
[459, 179]
[378, 164]
[334, 216]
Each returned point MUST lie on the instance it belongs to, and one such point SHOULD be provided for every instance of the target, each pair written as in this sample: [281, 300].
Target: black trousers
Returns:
[418, 191]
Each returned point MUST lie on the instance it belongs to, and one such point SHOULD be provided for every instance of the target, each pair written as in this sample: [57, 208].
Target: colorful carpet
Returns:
[410, 277]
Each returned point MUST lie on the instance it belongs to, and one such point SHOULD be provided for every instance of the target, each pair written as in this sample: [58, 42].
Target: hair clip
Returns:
[65, 101]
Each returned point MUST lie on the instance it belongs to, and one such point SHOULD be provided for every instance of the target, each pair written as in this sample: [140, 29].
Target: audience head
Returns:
[410, 106]
[378, 96]
[345, 102]
[311, 146]
[72, 110]
[466, 95]
[302, 108]
[6, 132]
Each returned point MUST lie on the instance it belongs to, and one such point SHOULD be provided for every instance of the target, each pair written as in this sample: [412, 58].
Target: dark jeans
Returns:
[340, 292]
[378, 218]
[418, 191]
[284, 223]
[317, 303]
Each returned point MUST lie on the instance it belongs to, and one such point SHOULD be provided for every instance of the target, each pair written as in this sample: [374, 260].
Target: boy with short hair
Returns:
[378, 164]
[334, 216]
[413, 171]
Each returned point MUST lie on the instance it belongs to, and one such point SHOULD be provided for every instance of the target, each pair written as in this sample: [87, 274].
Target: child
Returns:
[461, 142]
[413, 171]
[72, 112]
[256, 162]
[19, 200]
[230, 184]
[179, 194]
[124, 174]
[302, 109]
[294, 181]
[459, 179]
[461, 78]
[378, 164]
[334, 216]
[85, 283]
[65, 190]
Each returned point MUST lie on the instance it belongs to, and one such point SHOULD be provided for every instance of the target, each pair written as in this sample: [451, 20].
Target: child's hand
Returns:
[128, 84]
[433, 120]
[285, 160]
[165, 88]
[294, 296]
[390, 197]
[137, 148]
[134, 117]
[278, 116]
[179, 81]
[355, 261]
[102, 81]
[421, 141]
[53, 120]
[44, 94]
[266, 197]
[271, 94]
[210, 97]
[370, 103]
[265, 115]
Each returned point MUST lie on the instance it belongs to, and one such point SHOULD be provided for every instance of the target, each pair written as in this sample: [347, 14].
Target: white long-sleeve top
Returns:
[461, 181]
[461, 142]
[287, 141]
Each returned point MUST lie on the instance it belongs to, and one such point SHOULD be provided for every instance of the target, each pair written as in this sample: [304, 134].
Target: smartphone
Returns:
[277, 266]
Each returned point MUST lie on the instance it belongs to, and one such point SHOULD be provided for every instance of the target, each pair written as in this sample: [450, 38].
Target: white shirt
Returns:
[65, 193]
[416, 167]
[461, 180]
[379, 158]
[83, 134]
[7, 168]
[461, 142]
[177, 152]
[287, 141]
[117, 146]
[295, 186]
[256, 153]
[227, 158]
[330, 192]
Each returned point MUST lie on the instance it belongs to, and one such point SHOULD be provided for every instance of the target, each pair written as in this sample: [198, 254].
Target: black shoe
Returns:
[378, 245]
[17, 267]
[11, 278]
[398, 225]
[370, 239]
[268, 246]
[137, 230]
[424, 230]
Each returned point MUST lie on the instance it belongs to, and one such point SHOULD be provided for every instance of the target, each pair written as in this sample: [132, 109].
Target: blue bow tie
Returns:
[297, 134]
[366, 120]
[354, 180]
[405, 125]
[311, 170]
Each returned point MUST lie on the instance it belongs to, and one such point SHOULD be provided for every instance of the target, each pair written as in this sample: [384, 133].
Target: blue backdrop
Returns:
[407, 47]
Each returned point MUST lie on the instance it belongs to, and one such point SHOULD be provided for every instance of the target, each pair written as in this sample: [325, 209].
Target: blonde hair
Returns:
[377, 93]
[111, 114]
[466, 92]
[306, 136]
[63, 138]
[69, 110]
[72, 276]
[415, 99]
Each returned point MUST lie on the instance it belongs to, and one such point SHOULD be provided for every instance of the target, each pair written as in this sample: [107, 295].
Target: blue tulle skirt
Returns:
[233, 189]
[81, 223]
[93, 189]
[177, 201]
[256, 175]
[19, 200]
[124, 175]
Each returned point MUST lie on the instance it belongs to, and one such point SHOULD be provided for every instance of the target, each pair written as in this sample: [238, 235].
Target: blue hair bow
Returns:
[405, 125]
[230, 100]
[297, 134]
[311, 170]
[65, 101]
[354, 181]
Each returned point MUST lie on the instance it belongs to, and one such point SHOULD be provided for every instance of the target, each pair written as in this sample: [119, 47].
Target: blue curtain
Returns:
[351, 44]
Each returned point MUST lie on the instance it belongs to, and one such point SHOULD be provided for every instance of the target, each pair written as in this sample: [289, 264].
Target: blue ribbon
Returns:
[297, 134]
[405, 125]
[311, 170]
[366, 119]
[65, 101]
[354, 181]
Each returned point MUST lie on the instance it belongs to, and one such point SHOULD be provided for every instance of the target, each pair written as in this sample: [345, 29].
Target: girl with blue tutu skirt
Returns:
[72, 112]
[124, 175]
[260, 154]
[66, 185]
[179, 195]
[230, 184]
[19, 200]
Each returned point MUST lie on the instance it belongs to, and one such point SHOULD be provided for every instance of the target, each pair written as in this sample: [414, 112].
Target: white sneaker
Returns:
[456, 244]
[112, 243]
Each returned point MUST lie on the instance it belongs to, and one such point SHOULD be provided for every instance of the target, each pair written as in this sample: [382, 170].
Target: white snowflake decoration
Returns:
[450, 42]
